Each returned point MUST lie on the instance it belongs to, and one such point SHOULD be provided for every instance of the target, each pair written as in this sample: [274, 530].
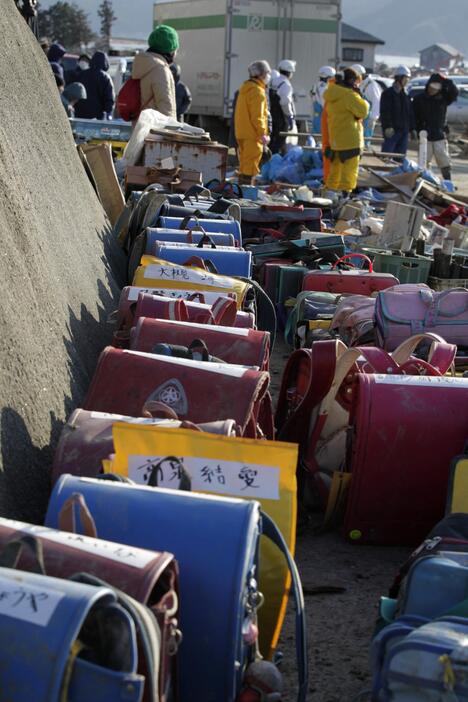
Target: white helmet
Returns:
[327, 72]
[359, 69]
[402, 71]
[287, 65]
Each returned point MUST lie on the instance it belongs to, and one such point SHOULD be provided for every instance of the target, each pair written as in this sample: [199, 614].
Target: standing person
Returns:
[282, 107]
[54, 56]
[72, 93]
[325, 74]
[325, 132]
[183, 94]
[430, 111]
[396, 114]
[100, 99]
[372, 92]
[251, 121]
[74, 76]
[151, 68]
[346, 109]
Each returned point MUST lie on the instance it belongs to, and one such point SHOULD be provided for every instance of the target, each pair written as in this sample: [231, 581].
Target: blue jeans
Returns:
[317, 118]
[397, 144]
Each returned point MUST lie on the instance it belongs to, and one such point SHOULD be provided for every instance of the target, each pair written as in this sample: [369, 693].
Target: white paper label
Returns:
[30, 603]
[444, 381]
[169, 423]
[220, 368]
[235, 331]
[183, 274]
[209, 475]
[135, 557]
[182, 245]
[176, 294]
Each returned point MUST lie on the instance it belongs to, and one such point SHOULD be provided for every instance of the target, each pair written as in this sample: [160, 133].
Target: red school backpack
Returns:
[129, 100]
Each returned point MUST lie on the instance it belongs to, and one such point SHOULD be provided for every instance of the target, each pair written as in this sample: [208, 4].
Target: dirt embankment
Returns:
[58, 269]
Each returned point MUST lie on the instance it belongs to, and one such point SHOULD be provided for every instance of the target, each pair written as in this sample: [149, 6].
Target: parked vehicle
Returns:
[382, 81]
[239, 33]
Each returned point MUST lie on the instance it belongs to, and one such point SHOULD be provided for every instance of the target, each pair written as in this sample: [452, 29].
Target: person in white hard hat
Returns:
[282, 109]
[396, 114]
[372, 92]
[325, 74]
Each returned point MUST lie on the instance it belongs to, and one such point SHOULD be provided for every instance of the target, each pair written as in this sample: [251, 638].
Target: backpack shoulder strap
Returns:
[271, 531]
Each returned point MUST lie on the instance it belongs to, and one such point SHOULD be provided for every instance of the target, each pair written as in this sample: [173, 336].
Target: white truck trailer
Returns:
[219, 38]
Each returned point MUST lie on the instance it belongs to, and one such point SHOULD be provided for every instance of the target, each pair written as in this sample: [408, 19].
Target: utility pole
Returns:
[339, 17]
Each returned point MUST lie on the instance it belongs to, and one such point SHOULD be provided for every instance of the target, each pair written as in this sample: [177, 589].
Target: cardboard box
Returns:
[99, 160]
[402, 222]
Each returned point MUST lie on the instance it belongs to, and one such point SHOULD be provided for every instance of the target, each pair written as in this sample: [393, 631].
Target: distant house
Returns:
[358, 47]
[440, 56]
[120, 46]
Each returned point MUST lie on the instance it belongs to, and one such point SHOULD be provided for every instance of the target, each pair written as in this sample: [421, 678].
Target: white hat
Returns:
[402, 71]
[359, 69]
[327, 72]
[287, 65]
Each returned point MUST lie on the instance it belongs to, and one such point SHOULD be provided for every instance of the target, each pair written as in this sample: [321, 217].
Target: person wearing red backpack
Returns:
[151, 69]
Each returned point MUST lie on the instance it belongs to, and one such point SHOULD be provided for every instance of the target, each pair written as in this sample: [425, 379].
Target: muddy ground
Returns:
[340, 625]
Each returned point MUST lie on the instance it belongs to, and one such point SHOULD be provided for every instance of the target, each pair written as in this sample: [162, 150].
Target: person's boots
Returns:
[446, 173]
[245, 179]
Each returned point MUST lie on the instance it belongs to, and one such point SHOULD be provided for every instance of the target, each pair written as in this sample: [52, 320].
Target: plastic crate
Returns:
[408, 269]
[447, 283]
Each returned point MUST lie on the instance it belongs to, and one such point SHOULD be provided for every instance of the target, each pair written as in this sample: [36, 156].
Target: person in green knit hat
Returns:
[151, 68]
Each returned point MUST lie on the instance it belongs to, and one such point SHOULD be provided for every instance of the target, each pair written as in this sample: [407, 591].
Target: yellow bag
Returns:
[457, 494]
[156, 273]
[230, 466]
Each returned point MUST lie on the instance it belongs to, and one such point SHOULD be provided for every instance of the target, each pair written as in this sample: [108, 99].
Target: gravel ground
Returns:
[340, 625]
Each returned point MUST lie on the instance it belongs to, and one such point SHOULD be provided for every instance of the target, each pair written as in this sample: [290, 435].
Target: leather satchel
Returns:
[125, 381]
[401, 313]
[317, 392]
[86, 439]
[351, 282]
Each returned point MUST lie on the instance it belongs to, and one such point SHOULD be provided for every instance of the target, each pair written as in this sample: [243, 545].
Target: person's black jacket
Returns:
[99, 89]
[183, 99]
[396, 111]
[430, 111]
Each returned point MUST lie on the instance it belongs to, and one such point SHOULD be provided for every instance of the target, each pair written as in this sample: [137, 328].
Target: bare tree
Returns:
[107, 17]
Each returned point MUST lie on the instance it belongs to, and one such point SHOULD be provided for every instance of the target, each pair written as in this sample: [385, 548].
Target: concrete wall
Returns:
[58, 271]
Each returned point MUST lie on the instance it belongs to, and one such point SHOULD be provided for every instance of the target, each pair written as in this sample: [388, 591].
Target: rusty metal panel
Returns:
[209, 159]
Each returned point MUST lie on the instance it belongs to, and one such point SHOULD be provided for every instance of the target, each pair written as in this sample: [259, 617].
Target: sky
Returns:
[405, 25]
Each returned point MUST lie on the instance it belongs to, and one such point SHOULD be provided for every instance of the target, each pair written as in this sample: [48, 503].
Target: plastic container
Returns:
[447, 283]
[408, 269]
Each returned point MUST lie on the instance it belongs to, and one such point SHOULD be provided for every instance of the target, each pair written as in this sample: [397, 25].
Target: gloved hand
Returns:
[290, 123]
[265, 140]
[389, 132]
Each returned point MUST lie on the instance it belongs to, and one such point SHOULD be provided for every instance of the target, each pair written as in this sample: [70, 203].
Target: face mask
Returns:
[83, 65]
[267, 79]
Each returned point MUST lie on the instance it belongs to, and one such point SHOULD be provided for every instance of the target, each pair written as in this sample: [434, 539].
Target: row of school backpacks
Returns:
[164, 566]
[419, 650]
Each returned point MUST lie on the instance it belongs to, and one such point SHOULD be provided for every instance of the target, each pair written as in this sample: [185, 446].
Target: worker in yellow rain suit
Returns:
[346, 109]
[251, 121]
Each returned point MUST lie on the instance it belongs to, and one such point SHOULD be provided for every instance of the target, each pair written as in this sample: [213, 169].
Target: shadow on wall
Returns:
[25, 481]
